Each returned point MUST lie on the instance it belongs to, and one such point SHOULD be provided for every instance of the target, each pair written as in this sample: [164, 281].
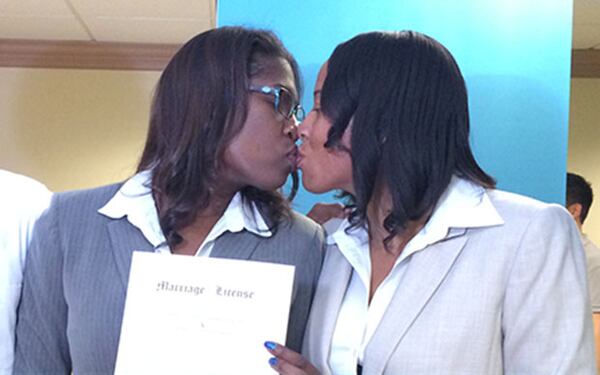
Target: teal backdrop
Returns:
[515, 56]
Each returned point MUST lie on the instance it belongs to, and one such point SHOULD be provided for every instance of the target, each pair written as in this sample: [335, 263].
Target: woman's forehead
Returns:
[321, 76]
[273, 68]
[275, 72]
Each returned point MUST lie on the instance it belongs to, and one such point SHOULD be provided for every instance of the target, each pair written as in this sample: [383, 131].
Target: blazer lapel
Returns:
[239, 245]
[125, 239]
[426, 271]
[333, 283]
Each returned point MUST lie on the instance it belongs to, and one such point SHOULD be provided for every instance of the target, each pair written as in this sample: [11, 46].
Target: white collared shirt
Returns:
[22, 201]
[463, 205]
[134, 201]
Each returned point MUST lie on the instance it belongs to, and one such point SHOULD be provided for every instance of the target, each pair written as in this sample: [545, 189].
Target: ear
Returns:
[575, 210]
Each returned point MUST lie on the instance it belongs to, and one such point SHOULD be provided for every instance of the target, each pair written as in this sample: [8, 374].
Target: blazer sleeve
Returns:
[41, 332]
[546, 322]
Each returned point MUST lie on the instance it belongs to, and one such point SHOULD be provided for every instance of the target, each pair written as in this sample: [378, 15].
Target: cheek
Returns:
[261, 137]
[257, 156]
[315, 130]
[327, 171]
[317, 166]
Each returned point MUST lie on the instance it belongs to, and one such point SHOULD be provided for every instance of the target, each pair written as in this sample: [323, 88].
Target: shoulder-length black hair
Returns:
[200, 104]
[407, 101]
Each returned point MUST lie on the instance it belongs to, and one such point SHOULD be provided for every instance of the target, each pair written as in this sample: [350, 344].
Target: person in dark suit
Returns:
[221, 142]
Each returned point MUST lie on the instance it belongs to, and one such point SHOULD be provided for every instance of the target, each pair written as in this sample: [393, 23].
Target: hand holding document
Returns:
[189, 315]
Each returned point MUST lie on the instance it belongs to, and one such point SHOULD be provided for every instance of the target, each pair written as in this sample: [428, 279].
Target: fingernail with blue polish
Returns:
[270, 345]
[273, 361]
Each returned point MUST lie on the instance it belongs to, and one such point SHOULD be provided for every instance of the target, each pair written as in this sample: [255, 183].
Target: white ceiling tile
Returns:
[586, 23]
[161, 9]
[586, 11]
[140, 30]
[48, 8]
[48, 28]
[35, 19]
[585, 36]
[173, 21]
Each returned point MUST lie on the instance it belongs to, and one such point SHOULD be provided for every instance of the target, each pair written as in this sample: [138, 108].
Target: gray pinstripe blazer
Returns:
[76, 277]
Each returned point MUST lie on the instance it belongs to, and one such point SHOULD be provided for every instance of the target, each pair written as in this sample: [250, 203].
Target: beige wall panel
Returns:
[584, 144]
[73, 129]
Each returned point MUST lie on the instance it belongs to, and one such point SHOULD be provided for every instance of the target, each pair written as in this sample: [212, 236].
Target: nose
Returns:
[291, 128]
[303, 129]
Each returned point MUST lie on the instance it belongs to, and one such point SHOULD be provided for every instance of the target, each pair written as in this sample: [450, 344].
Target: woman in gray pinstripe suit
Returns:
[221, 142]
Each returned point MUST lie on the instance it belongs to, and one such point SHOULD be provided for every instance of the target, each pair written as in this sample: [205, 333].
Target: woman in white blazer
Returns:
[434, 271]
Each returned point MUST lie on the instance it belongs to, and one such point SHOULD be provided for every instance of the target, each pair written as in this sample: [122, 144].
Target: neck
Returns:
[218, 202]
[195, 233]
[378, 210]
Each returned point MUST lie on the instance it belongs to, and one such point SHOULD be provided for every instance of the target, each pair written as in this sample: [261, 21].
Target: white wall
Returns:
[584, 144]
[73, 129]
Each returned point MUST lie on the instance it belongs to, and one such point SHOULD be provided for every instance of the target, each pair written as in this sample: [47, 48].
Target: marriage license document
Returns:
[196, 315]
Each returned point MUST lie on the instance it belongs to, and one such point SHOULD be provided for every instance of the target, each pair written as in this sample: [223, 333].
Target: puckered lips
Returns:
[293, 156]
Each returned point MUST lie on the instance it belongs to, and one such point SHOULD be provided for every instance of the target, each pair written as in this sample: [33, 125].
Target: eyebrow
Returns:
[293, 92]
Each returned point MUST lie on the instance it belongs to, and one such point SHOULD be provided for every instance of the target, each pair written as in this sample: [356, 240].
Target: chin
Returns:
[274, 184]
[312, 186]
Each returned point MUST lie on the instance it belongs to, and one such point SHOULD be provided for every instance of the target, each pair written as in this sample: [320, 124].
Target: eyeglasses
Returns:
[284, 102]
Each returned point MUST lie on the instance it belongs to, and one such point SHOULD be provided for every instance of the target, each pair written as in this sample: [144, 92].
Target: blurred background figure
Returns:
[579, 200]
[22, 201]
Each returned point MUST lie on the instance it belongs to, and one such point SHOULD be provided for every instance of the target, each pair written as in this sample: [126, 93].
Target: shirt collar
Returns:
[134, 201]
[462, 205]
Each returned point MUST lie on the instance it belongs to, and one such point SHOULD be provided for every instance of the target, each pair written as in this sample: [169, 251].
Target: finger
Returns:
[334, 209]
[283, 367]
[285, 354]
[320, 207]
[341, 212]
[286, 368]
[323, 212]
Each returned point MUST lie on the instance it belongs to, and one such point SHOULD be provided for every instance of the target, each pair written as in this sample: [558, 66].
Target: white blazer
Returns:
[508, 299]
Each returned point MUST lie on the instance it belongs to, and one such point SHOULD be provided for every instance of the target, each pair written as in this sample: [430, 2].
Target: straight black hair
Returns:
[200, 104]
[406, 101]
